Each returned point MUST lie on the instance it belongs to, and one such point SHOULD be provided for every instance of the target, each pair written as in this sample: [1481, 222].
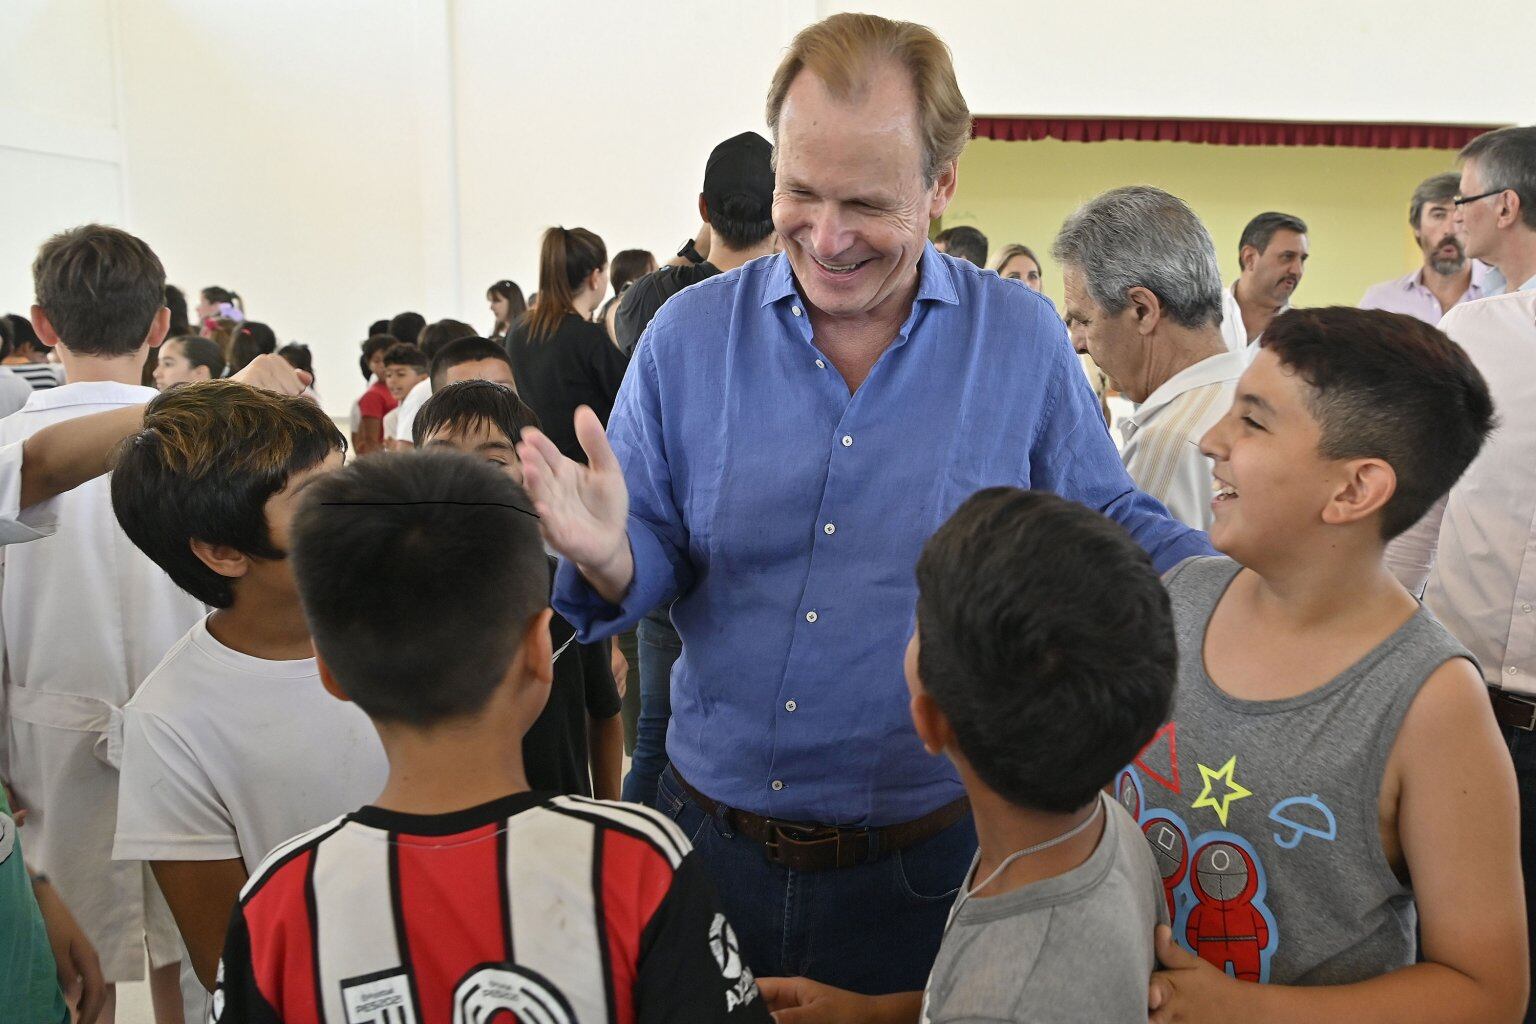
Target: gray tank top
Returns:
[1262, 815]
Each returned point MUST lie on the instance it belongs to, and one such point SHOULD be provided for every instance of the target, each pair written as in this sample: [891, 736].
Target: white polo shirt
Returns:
[1233, 330]
[1162, 436]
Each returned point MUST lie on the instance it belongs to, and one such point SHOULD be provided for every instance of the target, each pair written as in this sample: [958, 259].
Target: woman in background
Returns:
[507, 304]
[250, 339]
[627, 267]
[560, 358]
[187, 357]
[1018, 263]
[220, 304]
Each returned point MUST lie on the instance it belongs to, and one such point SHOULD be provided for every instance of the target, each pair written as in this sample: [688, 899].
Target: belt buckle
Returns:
[1526, 702]
[802, 836]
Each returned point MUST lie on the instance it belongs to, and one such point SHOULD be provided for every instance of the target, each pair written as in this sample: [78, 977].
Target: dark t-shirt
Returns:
[643, 298]
[555, 746]
[576, 365]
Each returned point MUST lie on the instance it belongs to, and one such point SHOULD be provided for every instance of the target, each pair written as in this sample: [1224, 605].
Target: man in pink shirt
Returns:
[1447, 276]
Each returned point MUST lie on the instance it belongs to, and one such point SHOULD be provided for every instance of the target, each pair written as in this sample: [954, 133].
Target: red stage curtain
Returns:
[1227, 133]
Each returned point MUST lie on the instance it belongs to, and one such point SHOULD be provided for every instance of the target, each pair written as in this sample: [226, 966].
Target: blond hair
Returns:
[843, 51]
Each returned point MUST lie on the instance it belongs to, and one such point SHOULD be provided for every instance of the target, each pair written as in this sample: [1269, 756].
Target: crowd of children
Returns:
[326, 710]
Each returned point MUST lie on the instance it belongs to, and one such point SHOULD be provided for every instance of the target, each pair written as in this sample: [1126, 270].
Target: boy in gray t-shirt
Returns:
[1043, 660]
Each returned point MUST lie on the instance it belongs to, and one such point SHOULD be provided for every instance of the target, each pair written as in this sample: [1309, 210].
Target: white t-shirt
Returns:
[405, 426]
[226, 755]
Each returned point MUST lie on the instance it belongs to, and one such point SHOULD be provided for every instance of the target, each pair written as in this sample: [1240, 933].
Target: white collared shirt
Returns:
[1483, 585]
[1233, 330]
[1162, 436]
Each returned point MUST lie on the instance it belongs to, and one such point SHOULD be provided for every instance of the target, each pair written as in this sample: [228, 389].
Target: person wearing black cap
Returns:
[737, 207]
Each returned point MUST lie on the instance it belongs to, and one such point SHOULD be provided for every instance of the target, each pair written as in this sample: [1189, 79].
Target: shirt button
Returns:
[1511, 671]
[796, 310]
[810, 616]
[777, 785]
[1526, 608]
[847, 440]
[829, 529]
[790, 705]
[820, 365]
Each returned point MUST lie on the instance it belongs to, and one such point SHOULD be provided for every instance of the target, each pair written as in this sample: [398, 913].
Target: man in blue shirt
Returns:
[788, 436]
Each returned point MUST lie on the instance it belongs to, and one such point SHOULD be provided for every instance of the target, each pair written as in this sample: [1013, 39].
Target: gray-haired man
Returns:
[1144, 299]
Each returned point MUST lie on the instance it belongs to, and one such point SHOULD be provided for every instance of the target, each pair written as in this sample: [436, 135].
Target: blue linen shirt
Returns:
[787, 516]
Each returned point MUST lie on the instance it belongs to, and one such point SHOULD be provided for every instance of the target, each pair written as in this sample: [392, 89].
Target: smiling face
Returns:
[1271, 479]
[1275, 273]
[850, 202]
[400, 378]
[172, 367]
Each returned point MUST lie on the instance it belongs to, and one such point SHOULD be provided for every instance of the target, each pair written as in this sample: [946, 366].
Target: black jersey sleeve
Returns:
[690, 966]
[236, 997]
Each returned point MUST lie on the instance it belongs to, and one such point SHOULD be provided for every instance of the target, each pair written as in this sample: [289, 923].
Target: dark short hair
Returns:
[7, 336]
[466, 404]
[1391, 387]
[378, 327]
[966, 242]
[376, 343]
[465, 350]
[298, 356]
[200, 351]
[437, 541]
[1262, 229]
[403, 353]
[1506, 158]
[407, 327]
[627, 266]
[1436, 189]
[101, 288]
[209, 456]
[176, 302]
[739, 221]
[1046, 638]
[441, 333]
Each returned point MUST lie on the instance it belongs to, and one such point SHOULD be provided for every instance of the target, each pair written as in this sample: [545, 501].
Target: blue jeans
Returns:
[1522, 748]
[873, 929]
[659, 646]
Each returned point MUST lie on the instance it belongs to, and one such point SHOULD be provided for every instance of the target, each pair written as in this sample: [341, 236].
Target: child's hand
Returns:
[1189, 990]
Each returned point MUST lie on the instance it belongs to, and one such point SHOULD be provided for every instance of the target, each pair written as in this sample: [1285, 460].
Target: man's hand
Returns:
[803, 1001]
[78, 966]
[1190, 990]
[272, 372]
[582, 509]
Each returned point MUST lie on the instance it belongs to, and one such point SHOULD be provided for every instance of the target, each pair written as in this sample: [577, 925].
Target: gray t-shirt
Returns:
[1077, 947]
[1263, 815]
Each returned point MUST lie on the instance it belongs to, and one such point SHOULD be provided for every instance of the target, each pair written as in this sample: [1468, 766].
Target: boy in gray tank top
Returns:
[1044, 659]
[1332, 784]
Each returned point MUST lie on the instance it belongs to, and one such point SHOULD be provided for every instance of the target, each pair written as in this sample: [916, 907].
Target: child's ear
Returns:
[536, 652]
[933, 729]
[328, 680]
[221, 558]
[44, 327]
[1368, 485]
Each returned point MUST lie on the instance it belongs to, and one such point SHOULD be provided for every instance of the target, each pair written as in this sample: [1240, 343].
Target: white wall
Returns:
[338, 162]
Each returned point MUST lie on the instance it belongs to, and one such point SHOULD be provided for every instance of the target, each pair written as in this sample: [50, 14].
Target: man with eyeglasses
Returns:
[1483, 585]
[1497, 205]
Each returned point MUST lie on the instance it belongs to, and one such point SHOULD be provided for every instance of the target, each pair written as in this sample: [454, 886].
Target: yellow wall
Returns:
[1354, 200]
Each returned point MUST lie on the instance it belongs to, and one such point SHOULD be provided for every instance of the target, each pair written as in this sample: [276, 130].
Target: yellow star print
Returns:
[1234, 791]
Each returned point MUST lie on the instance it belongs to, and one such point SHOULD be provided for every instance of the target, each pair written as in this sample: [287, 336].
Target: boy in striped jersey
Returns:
[460, 895]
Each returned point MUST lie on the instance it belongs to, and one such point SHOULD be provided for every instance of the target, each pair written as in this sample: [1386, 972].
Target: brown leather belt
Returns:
[1513, 710]
[806, 846]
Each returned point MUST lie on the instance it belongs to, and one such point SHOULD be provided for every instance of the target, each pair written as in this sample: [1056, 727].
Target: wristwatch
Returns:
[690, 252]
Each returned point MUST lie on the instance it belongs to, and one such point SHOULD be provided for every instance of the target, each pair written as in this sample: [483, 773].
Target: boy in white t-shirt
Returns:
[231, 746]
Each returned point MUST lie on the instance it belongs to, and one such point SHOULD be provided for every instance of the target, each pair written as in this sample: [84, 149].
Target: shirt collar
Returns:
[935, 280]
[1217, 369]
[95, 392]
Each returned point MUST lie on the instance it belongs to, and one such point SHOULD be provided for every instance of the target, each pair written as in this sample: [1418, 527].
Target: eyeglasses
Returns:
[1460, 200]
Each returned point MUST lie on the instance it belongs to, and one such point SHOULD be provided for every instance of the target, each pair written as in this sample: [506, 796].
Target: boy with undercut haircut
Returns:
[459, 894]
[1332, 786]
[1043, 659]
[232, 745]
[577, 743]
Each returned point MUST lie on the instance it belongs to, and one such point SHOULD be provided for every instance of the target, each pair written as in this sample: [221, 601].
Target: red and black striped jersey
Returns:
[532, 909]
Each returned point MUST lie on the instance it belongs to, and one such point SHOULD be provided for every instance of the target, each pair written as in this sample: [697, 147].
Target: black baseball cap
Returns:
[741, 167]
